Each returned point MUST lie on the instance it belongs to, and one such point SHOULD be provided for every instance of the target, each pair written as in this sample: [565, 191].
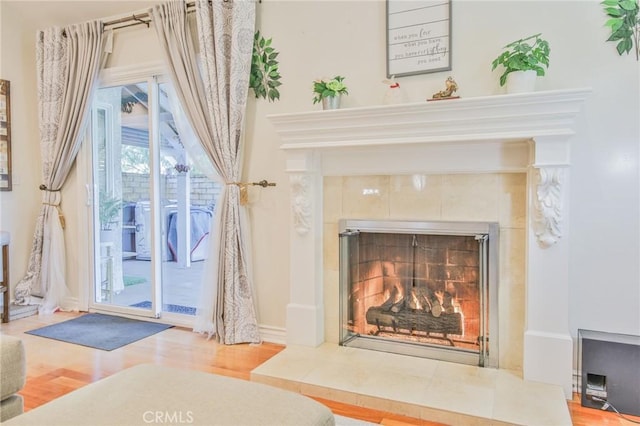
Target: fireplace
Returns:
[527, 133]
[425, 289]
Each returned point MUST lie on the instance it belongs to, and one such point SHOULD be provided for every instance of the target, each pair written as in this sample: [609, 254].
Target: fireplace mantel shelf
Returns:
[487, 118]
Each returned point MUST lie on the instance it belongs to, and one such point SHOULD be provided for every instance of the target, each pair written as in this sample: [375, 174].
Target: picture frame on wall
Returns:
[418, 37]
[5, 136]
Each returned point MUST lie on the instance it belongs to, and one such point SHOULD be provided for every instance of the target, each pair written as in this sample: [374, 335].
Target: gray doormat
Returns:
[106, 332]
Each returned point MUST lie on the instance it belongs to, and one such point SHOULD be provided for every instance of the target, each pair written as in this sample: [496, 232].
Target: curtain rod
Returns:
[140, 19]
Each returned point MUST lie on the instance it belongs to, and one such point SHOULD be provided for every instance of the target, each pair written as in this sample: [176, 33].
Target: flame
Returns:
[399, 294]
[416, 301]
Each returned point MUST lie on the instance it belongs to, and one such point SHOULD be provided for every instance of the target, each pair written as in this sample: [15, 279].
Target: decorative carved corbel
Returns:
[301, 202]
[548, 205]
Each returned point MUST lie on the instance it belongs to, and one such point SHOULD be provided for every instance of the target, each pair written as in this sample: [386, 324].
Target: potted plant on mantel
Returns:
[329, 92]
[523, 61]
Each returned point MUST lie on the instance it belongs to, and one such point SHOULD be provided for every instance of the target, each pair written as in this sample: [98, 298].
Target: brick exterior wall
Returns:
[135, 187]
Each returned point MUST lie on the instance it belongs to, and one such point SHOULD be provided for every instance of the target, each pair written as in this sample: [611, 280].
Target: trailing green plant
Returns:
[324, 89]
[527, 54]
[624, 22]
[108, 210]
[264, 77]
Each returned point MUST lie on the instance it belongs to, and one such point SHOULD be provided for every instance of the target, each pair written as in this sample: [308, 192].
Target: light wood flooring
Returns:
[56, 368]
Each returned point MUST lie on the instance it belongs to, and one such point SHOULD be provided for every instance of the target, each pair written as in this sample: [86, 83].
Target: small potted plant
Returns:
[329, 92]
[524, 58]
[109, 211]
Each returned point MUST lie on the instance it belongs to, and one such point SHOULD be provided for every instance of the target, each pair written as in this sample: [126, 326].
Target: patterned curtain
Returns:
[68, 61]
[213, 95]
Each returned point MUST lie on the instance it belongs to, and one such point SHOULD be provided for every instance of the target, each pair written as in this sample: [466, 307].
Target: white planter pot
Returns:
[331, 102]
[108, 235]
[521, 81]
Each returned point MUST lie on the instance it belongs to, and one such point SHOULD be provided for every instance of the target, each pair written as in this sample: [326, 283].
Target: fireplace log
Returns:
[415, 320]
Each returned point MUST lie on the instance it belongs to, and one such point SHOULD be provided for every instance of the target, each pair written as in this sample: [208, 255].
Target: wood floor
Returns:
[56, 368]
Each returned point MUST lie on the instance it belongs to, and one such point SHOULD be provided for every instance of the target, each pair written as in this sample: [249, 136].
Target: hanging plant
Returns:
[264, 78]
[625, 25]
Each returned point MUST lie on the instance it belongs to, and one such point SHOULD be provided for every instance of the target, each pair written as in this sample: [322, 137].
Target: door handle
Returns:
[88, 194]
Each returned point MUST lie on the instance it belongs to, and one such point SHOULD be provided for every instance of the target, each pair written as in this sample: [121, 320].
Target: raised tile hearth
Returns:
[438, 391]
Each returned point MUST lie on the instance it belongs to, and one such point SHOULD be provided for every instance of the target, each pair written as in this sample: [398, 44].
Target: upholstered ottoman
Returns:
[12, 376]
[151, 394]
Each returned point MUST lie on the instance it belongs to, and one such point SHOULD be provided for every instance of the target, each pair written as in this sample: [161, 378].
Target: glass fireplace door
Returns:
[416, 292]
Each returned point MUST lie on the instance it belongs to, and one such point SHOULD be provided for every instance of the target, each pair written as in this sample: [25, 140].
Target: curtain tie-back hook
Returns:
[43, 187]
[244, 195]
[63, 222]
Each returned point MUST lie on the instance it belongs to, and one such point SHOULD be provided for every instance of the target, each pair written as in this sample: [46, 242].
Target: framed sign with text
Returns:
[418, 36]
[5, 136]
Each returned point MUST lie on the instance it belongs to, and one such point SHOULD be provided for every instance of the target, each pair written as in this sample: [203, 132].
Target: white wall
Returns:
[325, 38]
[19, 207]
[322, 39]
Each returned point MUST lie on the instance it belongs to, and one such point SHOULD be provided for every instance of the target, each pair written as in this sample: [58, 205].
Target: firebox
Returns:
[425, 289]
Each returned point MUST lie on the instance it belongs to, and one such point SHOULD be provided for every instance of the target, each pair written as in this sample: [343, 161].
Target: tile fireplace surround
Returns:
[493, 140]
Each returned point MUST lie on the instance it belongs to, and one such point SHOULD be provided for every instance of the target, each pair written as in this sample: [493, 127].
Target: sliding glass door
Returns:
[122, 165]
[153, 207]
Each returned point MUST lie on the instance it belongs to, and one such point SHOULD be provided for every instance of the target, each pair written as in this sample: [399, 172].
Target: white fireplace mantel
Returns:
[481, 134]
[486, 118]
[528, 132]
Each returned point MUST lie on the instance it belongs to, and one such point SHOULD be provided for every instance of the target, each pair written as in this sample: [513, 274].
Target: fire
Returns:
[416, 301]
[399, 294]
[395, 295]
[387, 295]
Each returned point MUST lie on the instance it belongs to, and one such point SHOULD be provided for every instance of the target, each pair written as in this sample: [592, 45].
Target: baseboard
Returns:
[272, 334]
[576, 383]
[17, 312]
